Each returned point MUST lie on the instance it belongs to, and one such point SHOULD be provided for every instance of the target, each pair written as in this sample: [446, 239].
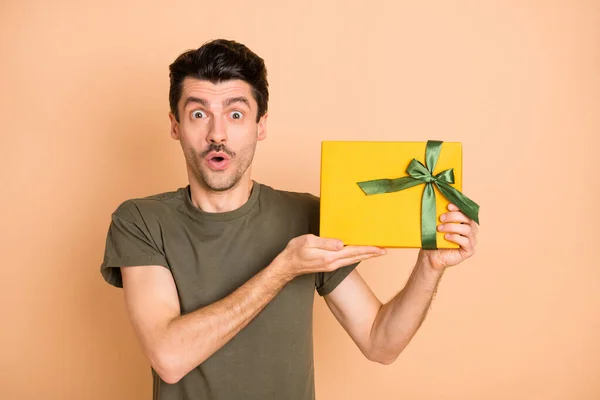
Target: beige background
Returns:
[83, 105]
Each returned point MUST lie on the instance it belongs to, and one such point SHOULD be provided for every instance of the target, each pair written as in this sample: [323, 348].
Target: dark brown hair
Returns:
[217, 61]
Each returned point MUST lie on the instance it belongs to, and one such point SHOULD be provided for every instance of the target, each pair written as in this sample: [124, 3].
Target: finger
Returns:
[460, 240]
[474, 227]
[455, 216]
[453, 207]
[327, 244]
[343, 262]
[356, 251]
[461, 229]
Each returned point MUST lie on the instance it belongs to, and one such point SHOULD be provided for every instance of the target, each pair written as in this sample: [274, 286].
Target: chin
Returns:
[220, 188]
[220, 185]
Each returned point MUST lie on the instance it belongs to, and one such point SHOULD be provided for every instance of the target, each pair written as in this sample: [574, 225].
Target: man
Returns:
[219, 276]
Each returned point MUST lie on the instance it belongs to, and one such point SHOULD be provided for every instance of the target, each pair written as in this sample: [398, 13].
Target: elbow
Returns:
[383, 357]
[385, 360]
[168, 366]
[169, 376]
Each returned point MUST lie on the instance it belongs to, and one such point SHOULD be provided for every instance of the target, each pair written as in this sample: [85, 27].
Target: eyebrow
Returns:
[226, 103]
[192, 99]
[233, 100]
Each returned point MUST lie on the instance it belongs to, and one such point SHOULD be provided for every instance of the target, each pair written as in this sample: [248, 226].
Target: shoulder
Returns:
[284, 198]
[301, 207]
[156, 204]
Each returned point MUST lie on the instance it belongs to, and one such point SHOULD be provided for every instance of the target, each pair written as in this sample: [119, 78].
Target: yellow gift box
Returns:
[387, 219]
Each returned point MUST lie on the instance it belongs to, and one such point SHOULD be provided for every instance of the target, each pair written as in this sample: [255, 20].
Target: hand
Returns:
[309, 253]
[463, 233]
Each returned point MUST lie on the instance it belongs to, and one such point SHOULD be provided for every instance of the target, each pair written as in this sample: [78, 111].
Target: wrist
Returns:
[281, 270]
[426, 266]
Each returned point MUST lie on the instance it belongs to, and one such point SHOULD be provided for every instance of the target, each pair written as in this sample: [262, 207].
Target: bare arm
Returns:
[381, 332]
[175, 343]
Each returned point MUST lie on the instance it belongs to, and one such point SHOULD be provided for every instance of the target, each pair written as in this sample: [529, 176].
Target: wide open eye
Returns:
[198, 114]
[236, 115]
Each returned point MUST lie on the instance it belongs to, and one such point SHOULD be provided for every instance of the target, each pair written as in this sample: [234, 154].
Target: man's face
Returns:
[218, 131]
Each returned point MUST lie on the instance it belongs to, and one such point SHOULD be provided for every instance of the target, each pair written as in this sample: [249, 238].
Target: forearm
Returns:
[398, 320]
[192, 338]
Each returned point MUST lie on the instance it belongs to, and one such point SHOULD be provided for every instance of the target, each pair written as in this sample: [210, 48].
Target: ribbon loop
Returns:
[446, 176]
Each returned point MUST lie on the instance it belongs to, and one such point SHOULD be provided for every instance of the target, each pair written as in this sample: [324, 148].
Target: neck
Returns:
[219, 202]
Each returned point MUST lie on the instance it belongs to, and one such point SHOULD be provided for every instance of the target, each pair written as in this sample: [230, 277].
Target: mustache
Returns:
[220, 148]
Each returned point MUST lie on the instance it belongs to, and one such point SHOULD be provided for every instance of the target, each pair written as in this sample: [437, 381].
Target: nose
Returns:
[217, 132]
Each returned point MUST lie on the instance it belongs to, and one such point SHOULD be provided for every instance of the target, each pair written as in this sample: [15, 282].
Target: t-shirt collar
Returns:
[224, 216]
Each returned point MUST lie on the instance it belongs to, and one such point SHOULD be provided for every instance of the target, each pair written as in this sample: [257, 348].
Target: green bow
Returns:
[419, 174]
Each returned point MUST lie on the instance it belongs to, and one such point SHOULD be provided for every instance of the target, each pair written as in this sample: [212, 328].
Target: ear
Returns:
[262, 127]
[174, 126]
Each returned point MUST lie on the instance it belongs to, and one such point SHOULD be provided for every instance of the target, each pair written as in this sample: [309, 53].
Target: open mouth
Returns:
[217, 162]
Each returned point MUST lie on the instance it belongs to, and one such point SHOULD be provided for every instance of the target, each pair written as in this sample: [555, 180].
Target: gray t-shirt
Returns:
[212, 254]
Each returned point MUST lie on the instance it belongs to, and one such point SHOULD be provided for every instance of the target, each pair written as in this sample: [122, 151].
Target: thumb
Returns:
[329, 244]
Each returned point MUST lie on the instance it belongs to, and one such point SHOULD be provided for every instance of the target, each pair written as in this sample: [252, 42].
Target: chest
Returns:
[211, 260]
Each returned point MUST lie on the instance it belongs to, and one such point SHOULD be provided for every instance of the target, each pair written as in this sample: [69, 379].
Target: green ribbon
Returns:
[421, 174]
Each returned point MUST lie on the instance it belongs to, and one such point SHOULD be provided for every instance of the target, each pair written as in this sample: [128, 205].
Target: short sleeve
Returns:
[128, 243]
[325, 282]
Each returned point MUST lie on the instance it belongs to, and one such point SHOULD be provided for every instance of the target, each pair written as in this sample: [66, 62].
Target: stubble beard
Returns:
[219, 181]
